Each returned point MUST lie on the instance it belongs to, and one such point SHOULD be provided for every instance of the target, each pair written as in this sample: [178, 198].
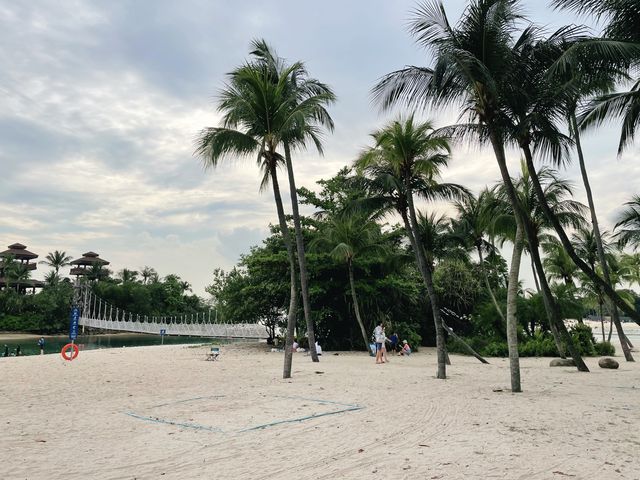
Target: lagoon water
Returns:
[54, 343]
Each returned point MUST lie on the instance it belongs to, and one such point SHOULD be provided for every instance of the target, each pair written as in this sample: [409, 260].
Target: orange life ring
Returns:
[73, 354]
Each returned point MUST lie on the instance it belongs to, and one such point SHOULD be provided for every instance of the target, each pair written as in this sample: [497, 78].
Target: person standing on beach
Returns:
[41, 345]
[6, 350]
[378, 334]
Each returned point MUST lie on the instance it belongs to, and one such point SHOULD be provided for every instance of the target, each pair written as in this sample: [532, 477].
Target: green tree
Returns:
[306, 102]
[347, 237]
[406, 160]
[628, 224]
[258, 117]
[57, 260]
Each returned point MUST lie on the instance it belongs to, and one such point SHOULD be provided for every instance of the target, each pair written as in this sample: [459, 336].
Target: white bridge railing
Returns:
[96, 313]
[231, 330]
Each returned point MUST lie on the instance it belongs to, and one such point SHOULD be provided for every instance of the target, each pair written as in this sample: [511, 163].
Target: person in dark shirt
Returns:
[393, 342]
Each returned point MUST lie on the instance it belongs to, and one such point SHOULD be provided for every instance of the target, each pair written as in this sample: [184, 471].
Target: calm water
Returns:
[53, 344]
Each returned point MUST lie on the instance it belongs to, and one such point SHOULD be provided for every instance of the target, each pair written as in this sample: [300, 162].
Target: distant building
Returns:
[88, 265]
[22, 260]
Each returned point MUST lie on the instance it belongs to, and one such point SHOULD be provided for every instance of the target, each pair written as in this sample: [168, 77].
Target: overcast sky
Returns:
[100, 103]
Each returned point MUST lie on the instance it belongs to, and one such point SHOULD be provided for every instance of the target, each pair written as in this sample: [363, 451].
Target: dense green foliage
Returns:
[48, 310]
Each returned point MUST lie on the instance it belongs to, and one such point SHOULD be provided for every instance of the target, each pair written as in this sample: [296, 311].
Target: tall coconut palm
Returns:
[406, 161]
[474, 62]
[307, 103]
[347, 236]
[628, 224]
[532, 109]
[257, 118]
[57, 260]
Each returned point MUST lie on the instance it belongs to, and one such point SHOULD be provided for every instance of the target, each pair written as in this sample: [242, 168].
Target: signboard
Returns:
[73, 324]
[163, 331]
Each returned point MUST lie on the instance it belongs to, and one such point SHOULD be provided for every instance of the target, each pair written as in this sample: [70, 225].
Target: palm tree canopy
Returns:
[628, 225]
[407, 154]
[264, 103]
[57, 259]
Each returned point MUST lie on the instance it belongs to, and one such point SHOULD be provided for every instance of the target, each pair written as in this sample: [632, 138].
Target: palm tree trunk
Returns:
[293, 300]
[512, 308]
[355, 306]
[488, 285]
[302, 262]
[552, 308]
[549, 305]
[601, 318]
[566, 243]
[596, 232]
[425, 270]
[610, 326]
[535, 276]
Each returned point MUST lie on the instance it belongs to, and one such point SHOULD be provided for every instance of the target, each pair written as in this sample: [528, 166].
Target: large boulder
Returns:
[562, 362]
[607, 362]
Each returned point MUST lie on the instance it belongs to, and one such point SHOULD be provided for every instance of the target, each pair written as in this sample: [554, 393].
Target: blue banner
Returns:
[73, 324]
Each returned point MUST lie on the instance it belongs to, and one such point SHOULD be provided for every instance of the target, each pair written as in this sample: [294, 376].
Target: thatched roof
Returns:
[27, 283]
[19, 251]
[90, 258]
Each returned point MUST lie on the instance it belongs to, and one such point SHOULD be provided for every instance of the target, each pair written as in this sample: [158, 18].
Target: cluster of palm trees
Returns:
[518, 87]
[515, 86]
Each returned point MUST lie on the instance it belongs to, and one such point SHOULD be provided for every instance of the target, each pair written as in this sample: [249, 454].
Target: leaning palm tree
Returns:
[628, 224]
[258, 117]
[406, 162]
[57, 259]
[307, 103]
[347, 236]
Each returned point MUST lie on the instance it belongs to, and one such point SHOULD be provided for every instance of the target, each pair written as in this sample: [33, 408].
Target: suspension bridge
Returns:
[97, 313]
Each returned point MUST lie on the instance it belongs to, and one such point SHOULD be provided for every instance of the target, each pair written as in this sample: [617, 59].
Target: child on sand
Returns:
[406, 349]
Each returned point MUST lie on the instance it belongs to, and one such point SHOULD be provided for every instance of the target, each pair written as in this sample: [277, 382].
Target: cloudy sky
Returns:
[100, 103]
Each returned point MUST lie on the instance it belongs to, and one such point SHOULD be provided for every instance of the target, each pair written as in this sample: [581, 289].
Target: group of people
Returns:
[16, 353]
[381, 341]
[18, 350]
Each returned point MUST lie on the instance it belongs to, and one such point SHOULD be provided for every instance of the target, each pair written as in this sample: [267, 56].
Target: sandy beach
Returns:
[164, 412]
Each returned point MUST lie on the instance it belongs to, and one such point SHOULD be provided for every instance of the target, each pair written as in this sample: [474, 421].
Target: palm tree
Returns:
[148, 274]
[629, 220]
[52, 278]
[473, 223]
[127, 276]
[257, 118]
[631, 263]
[404, 162]
[57, 259]
[349, 235]
[535, 105]
[622, 19]
[472, 64]
[307, 99]
[557, 264]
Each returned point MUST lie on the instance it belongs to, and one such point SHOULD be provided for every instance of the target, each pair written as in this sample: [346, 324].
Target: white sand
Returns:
[69, 419]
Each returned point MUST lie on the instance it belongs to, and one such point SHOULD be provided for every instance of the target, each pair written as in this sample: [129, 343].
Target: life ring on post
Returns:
[74, 353]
